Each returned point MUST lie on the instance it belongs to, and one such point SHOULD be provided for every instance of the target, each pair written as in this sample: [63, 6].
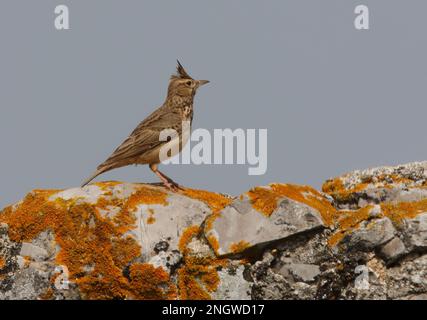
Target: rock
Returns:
[166, 260]
[233, 285]
[240, 225]
[400, 183]
[370, 235]
[417, 231]
[129, 235]
[363, 237]
[393, 250]
[300, 271]
[34, 252]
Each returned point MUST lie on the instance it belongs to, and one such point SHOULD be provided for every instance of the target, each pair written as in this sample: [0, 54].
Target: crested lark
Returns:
[144, 144]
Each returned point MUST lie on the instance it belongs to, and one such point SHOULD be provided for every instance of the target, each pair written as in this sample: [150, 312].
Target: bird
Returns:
[143, 146]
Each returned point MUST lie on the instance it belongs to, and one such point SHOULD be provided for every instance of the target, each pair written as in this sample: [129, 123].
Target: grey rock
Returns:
[253, 228]
[170, 222]
[416, 232]
[167, 260]
[288, 258]
[393, 250]
[370, 234]
[233, 285]
[408, 278]
[34, 252]
[300, 271]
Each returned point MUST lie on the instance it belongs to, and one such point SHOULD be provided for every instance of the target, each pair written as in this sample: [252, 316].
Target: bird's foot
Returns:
[172, 185]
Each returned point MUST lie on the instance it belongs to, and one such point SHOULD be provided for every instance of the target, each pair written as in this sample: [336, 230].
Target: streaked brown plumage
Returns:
[143, 145]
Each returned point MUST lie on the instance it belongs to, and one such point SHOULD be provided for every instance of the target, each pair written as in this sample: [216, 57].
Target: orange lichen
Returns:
[403, 210]
[213, 241]
[265, 199]
[151, 219]
[186, 237]
[239, 246]
[348, 221]
[388, 179]
[27, 261]
[335, 187]
[107, 184]
[337, 190]
[150, 283]
[31, 217]
[2, 263]
[87, 238]
[215, 201]
[47, 295]
[198, 277]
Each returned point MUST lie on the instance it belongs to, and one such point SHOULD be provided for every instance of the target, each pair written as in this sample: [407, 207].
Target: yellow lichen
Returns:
[150, 283]
[265, 199]
[335, 187]
[239, 246]
[403, 210]
[198, 277]
[213, 241]
[347, 221]
[216, 203]
[47, 295]
[151, 219]
[87, 238]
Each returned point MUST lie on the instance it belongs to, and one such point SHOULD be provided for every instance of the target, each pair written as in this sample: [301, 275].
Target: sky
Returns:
[332, 97]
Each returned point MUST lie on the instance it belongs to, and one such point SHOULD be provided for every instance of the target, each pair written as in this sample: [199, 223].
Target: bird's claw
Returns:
[172, 185]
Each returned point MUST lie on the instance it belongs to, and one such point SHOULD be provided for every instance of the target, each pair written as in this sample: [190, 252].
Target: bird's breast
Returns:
[187, 112]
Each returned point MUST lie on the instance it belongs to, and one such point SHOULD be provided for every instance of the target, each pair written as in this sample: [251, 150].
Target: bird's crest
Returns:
[180, 72]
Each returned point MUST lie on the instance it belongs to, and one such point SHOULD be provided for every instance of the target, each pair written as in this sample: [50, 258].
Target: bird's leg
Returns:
[168, 182]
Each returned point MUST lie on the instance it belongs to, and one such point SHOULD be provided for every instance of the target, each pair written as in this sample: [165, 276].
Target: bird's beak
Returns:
[202, 82]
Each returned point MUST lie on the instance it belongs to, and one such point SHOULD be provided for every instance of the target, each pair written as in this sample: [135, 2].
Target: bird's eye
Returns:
[189, 83]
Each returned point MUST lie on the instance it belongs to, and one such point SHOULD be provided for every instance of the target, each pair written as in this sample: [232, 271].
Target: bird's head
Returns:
[182, 84]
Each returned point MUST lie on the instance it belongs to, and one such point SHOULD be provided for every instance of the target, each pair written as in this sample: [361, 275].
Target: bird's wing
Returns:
[145, 137]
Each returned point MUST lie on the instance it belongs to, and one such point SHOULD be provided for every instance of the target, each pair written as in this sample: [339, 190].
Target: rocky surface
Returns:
[364, 236]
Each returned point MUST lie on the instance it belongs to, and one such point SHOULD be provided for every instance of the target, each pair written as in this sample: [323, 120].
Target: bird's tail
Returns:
[93, 176]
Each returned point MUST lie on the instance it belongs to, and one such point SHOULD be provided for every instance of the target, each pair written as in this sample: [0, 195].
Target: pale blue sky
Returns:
[333, 98]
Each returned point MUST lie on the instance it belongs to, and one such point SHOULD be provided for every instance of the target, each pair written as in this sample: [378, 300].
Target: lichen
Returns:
[2, 263]
[347, 221]
[265, 200]
[151, 219]
[239, 246]
[88, 238]
[213, 242]
[396, 212]
[216, 202]
[150, 283]
[198, 277]
[342, 192]
[47, 295]
[335, 187]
